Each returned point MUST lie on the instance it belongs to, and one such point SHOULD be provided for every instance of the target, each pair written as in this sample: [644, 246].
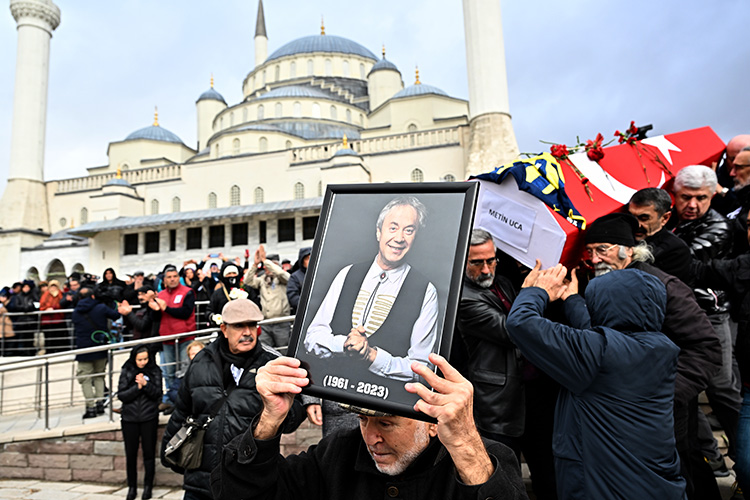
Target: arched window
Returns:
[316, 110]
[262, 144]
[334, 114]
[299, 191]
[84, 215]
[261, 111]
[346, 67]
[362, 71]
[63, 222]
[124, 166]
[449, 178]
[288, 144]
[329, 67]
[278, 110]
[417, 175]
[293, 70]
[231, 119]
[154, 207]
[412, 127]
[217, 150]
[176, 204]
[211, 200]
[297, 110]
[310, 67]
[236, 146]
[258, 195]
[221, 123]
[277, 73]
[348, 116]
[234, 196]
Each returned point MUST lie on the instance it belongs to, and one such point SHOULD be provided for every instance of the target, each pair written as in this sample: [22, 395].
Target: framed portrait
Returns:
[382, 289]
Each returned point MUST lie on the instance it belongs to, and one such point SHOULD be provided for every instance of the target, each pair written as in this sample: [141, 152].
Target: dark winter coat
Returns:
[207, 381]
[296, 280]
[110, 291]
[617, 371]
[493, 360]
[671, 255]
[90, 316]
[144, 322]
[139, 405]
[340, 468]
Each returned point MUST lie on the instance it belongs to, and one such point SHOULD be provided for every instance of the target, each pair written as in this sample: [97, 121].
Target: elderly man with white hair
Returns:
[708, 235]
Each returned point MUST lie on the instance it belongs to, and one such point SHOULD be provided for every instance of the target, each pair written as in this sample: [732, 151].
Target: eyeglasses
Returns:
[481, 262]
[599, 251]
[740, 165]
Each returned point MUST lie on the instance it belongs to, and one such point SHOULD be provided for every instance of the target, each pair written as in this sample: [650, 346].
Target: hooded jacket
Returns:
[220, 295]
[296, 280]
[140, 405]
[617, 372]
[88, 317]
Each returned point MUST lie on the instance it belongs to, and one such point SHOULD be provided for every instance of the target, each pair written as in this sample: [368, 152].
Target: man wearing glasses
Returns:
[740, 174]
[493, 360]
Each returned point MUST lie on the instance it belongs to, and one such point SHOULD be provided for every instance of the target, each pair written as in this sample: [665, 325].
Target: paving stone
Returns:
[13, 492]
[114, 476]
[91, 462]
[45, 494]
[93, 488]
[55, 485]
[12, 483]
[58, 474]
[21, 472]
[93, 475]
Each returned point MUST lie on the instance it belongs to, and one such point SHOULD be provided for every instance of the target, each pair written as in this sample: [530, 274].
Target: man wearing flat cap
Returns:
[611, 245]
[220, 383]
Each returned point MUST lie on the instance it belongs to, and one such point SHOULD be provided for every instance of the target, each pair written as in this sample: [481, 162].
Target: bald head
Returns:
[734, 146]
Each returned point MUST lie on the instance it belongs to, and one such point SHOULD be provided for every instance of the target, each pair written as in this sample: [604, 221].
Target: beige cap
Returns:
[240, 311]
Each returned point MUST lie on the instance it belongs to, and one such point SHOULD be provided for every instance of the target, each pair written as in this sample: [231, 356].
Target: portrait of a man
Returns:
[382, 313]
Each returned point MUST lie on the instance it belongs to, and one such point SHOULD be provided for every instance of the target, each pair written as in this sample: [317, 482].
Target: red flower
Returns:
[633, 130]
[594, 148]
[559, 151]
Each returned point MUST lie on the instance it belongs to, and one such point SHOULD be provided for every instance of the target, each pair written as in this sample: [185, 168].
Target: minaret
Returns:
[24, 218]
[261, 39]
[492, 141]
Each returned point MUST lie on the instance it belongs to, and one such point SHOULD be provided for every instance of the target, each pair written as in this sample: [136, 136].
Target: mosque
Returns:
[318, 110]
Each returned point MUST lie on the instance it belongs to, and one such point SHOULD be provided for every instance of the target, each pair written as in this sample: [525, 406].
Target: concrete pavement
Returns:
[31, 489]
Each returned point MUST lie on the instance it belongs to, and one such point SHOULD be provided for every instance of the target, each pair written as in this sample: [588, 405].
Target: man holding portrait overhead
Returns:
[380, 314]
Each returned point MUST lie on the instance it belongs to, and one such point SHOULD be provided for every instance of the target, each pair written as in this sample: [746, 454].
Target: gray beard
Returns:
[483, 280]
[601, 269]
[421, 440]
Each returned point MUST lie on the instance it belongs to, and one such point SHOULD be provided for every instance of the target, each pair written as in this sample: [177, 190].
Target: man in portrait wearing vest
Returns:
[381, 314]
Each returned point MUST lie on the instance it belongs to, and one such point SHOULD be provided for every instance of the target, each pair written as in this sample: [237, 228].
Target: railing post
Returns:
[110, 359]
[46, 395]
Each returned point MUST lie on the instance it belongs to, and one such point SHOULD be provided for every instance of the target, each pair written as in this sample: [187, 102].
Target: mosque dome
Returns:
[117, 181]
[154, 133]
[419, 89]
[211, 95]
[294, 91]
[383, 64]
[346, 152]
[321, 43]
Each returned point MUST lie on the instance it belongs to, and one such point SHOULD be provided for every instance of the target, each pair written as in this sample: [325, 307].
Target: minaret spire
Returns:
[261, 38]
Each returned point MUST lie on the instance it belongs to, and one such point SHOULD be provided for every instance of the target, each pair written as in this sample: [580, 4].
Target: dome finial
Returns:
[322, 26]
[118, 175]
[346, 142]
[156, 116]
[417, 82]
[212, 80]
[383, 51]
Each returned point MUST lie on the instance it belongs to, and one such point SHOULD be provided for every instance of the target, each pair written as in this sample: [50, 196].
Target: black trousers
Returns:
[145, 433]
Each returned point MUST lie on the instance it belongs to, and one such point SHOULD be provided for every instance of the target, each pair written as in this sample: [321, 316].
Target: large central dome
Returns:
[321, 43]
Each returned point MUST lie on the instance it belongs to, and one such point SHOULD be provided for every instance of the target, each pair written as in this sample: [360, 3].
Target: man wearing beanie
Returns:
[611, 245]
[220, 383]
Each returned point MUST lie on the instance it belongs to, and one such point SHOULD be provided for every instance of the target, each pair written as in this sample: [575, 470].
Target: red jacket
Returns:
[179, 316]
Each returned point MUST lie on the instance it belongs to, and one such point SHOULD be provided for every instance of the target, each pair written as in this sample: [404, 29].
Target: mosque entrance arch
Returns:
[56, 271]
[33, 274]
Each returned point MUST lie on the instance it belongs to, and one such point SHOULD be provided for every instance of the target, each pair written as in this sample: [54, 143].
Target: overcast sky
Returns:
[575, 68]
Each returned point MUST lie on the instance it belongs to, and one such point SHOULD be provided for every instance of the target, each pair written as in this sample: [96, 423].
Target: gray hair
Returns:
[641, 253]
[400, 201]
[696, 177]
[479, 237]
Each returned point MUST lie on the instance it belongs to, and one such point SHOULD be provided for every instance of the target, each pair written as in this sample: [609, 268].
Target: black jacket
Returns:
[739, 223]
[143, 322]
[671, 255]
[207, 381]
[493, 360]
[88, 317]
[340, 468]
[708, 238]
[139, 405]
[297, 279]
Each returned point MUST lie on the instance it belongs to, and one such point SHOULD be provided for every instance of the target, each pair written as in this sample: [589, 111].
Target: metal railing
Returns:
[51, 388]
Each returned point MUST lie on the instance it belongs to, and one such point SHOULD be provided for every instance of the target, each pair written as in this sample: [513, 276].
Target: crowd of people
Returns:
[591, 374]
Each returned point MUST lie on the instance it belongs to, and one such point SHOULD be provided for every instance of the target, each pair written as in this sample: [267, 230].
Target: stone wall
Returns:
[99, 457]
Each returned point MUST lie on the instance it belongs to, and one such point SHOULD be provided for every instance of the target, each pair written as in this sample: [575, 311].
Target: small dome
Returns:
[345, 152]
[321, 43]
[383, 64]
[117, 182]
[294, 91]
[211, 95]
[154, 133]
[419, 89]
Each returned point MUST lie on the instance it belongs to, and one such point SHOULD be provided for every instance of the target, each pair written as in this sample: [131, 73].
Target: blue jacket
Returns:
[84, 326]
[614, 427]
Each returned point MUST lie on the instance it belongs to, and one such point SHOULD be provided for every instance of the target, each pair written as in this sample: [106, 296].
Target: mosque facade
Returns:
[318, 110]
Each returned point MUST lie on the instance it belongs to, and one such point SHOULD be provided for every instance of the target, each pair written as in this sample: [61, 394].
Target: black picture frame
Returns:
[346, 244]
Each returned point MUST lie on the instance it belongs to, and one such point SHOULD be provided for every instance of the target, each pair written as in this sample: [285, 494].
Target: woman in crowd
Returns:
[140, 392]
[52, 323]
